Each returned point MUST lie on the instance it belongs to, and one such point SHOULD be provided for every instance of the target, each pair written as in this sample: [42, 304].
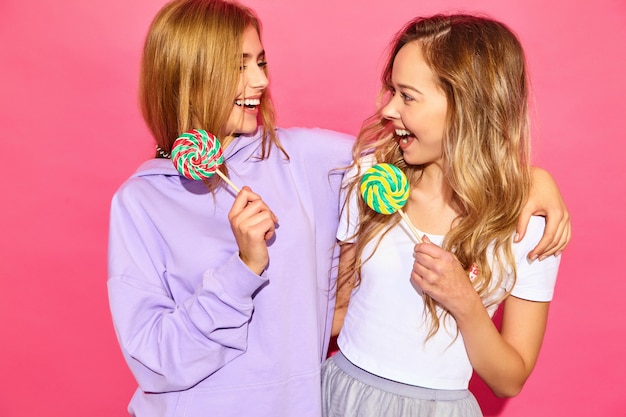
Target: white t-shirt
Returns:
[385, 328]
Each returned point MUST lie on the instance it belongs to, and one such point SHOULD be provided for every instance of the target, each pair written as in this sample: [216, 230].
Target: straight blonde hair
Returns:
[190, 71]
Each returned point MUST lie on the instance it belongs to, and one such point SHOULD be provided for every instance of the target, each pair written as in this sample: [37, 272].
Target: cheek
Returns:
[438, 123]
[234, 113]
[233, 118]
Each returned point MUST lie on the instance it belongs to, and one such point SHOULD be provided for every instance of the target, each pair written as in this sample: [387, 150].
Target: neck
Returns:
[431, 202]
[433, 182]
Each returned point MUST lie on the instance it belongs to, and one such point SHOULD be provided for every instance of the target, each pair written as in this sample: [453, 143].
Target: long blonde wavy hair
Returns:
[190, 71]
[480, 65]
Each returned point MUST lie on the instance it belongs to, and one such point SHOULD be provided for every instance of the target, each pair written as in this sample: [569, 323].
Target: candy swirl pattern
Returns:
[385, 188]
[197, 154]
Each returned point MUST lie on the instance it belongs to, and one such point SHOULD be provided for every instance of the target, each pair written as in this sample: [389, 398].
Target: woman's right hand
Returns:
[252, 223]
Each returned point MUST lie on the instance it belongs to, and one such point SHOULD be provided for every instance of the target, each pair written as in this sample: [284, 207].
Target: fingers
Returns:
[419, 274]
[429, 249]
[545, 200]
[249, 211]
[421, 260]
[560, 240]
[432, 260]
[546, 241]
[256, 221]
[252, 223]
[556, 235]
[439, 274]
[522, 224]
[243, 199]
[565, 239]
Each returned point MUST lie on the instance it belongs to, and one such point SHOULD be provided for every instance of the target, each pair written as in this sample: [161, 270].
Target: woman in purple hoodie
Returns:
[221, 300]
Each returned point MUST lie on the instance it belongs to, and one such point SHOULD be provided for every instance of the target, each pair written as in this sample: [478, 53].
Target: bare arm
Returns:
[505, 359]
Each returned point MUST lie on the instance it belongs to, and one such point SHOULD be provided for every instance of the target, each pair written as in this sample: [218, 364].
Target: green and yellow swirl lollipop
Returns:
[385, 189]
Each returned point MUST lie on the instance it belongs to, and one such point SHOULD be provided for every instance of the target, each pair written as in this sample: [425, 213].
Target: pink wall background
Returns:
[71, 133]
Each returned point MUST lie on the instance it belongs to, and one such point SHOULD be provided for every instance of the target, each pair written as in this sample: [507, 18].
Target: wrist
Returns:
[470, 310]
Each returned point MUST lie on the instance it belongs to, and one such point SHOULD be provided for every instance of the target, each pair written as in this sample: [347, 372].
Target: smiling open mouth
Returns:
[249, 103]
[403, 135]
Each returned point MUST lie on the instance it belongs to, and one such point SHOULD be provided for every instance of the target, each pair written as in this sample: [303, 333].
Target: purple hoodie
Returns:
[201, 333]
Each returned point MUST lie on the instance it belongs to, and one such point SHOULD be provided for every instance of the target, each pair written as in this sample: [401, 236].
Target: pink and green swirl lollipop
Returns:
[197, 154]
[385, 189]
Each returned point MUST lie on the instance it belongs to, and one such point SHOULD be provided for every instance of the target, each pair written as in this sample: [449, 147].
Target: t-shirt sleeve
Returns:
[349, 202]
[535, 279]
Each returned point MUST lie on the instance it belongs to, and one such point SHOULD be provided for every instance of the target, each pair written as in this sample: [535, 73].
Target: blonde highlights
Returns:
[480, 66]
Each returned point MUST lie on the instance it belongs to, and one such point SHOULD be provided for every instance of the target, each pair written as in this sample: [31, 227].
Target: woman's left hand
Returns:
[545, 200]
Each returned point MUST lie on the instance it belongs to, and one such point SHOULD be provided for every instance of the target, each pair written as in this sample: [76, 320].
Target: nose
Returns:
[257, 78]
[390, 111]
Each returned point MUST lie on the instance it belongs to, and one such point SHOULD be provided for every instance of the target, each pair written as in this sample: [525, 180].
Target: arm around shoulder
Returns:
[546, 200]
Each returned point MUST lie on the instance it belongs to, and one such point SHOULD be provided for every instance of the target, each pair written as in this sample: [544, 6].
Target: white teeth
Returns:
[402, 132]
[250, 102]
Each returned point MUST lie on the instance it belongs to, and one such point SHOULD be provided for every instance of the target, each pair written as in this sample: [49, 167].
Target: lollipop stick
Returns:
[228, 181]
[408, 222]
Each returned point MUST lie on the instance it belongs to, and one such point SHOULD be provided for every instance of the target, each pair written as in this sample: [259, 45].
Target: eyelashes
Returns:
[405, 97]
[260, 64]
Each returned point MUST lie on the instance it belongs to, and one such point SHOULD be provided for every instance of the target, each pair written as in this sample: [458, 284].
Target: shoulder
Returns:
[146, 183]
[145, 172]
[298, 133]
[317, 141]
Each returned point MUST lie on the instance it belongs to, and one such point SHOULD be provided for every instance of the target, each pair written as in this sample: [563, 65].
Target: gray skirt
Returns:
[349, 391]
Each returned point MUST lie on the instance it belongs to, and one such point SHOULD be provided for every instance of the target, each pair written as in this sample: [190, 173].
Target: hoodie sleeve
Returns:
[172, 345]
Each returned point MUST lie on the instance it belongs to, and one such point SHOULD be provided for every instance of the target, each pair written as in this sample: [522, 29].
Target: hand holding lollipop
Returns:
[385, 189]
[197, 154]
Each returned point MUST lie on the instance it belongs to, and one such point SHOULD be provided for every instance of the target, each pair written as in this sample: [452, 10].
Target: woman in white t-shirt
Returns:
[455, 121]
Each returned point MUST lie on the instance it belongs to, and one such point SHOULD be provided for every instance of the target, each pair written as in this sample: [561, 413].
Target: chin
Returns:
[247, 130]
[414, 161]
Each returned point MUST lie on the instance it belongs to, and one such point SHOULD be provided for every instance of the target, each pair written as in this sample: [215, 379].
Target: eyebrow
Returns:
[409, 87]
[247, 55]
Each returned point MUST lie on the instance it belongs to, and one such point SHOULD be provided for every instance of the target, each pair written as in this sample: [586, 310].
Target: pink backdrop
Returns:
[71, 133]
